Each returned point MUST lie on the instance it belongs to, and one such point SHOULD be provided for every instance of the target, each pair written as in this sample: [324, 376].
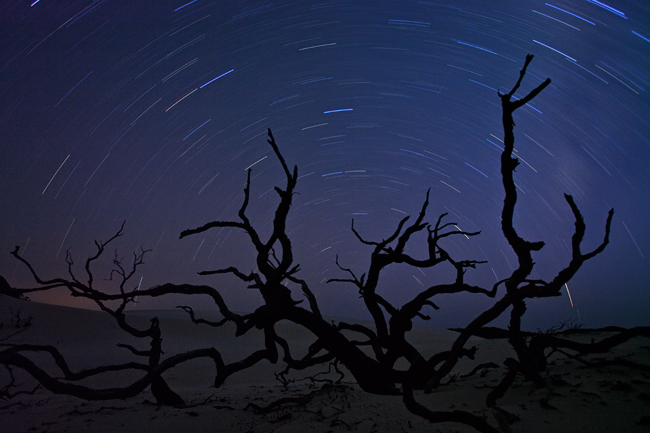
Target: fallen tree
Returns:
[277, 280]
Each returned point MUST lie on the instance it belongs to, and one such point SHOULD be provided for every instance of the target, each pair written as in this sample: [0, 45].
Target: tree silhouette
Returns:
[276, 279]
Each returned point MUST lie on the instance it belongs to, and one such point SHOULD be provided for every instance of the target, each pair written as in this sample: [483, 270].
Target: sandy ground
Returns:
[576, 399]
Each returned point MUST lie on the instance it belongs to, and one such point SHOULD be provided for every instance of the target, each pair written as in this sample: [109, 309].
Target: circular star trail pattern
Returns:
[151, 112]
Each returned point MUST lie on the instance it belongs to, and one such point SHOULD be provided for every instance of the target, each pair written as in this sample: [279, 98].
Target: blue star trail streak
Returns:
[153, 112]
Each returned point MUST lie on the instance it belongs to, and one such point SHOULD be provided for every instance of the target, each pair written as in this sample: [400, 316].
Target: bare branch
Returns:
[231, 270]
[522, 73]
[134, 351]
[363, 241]
[190, 311]
[276, 150]
[62, 364]
[311, 298]
[100, 250]
[354, 280]
[5, 391]
[56, 282]
[458, 416]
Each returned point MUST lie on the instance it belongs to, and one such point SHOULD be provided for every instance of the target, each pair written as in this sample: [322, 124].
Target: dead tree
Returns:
[531, 359]
[277, 281]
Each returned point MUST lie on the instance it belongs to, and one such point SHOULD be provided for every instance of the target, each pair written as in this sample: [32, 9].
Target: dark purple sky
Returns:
[152, 111]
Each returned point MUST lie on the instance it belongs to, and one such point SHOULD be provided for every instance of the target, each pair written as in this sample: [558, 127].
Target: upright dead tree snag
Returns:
[271, 275]
[518, 287]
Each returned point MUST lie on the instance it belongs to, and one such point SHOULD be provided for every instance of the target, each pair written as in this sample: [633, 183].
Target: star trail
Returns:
[151, 112]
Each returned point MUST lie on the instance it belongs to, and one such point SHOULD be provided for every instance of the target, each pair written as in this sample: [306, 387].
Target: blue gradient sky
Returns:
[152, 111]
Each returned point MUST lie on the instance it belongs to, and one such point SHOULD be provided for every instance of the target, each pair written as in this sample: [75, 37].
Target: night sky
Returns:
[151, 112]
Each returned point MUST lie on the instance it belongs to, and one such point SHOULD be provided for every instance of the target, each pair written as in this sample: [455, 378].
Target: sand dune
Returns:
[575, 399]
